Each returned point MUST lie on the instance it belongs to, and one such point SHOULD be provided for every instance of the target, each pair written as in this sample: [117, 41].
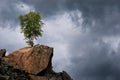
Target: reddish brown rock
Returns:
[32, 59]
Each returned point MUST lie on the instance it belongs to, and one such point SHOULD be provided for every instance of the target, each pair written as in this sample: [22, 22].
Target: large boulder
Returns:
[33, 60]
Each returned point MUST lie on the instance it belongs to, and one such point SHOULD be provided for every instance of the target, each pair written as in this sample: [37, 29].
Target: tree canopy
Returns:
[31, 26]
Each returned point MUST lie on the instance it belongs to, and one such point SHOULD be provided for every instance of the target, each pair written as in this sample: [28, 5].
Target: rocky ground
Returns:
[29, 63]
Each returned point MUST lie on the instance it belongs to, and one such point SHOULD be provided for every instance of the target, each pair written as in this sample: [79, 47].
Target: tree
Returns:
[31, 26]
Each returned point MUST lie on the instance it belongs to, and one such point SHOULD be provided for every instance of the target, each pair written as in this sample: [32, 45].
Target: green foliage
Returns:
[31, 26]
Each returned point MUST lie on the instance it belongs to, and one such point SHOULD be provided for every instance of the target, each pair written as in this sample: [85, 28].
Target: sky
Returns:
[85, 34]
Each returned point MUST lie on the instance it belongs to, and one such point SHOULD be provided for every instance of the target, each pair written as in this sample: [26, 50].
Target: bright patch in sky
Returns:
[59, 31]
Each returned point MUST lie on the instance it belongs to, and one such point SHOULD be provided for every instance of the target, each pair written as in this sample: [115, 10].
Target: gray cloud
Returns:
[98, 15]
[97, 62]
[89, 8]
[93, 59]
[8, 12]
[11, 39]
[101, 17]
[47, 8]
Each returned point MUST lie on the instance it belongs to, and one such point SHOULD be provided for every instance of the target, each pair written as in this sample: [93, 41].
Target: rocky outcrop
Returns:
[54, 76]
[32, 59]
[30, 63]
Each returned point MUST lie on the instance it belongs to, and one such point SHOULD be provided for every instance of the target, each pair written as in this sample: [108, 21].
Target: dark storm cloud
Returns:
[94, 60]
[46, 7]
[98, 15]
[8, 13]
[89, 8]
[99, 61]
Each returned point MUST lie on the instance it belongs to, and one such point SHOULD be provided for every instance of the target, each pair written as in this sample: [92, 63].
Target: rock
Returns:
[2, 52]
[33, 77]
[32, 59]
[56, 76]
[4, 77]
[65, 76]
[7, 72]
[30, 63]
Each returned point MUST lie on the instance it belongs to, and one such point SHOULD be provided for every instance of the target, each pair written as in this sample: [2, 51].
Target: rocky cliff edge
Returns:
[29, 63]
